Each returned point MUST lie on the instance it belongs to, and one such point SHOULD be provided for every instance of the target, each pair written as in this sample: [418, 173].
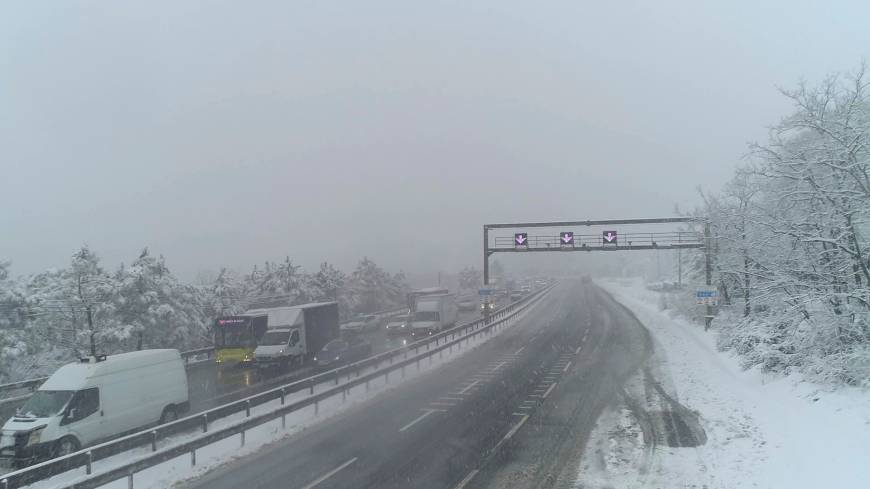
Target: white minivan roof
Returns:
[75, 376]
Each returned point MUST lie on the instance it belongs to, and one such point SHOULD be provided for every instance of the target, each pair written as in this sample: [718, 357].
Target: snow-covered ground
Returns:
[761, 431]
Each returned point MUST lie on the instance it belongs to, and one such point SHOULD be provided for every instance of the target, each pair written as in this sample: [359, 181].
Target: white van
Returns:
[93, 400]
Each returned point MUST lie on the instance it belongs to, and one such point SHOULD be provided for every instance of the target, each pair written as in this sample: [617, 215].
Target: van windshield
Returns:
[43, 404]
[275, 338]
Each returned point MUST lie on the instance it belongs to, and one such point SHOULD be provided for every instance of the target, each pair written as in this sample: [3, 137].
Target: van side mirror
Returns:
[72, 413]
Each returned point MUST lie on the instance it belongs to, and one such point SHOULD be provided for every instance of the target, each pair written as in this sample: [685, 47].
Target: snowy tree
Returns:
[371, 289]
[470, 278]
[329, 280]
[156, 308]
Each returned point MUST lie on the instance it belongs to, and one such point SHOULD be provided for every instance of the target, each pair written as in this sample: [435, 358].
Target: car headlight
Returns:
[35, 436]
[315, 359]
[337, 358]
[282, 351]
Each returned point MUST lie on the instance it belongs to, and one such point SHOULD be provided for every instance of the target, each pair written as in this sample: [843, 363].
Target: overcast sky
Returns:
[228, 133]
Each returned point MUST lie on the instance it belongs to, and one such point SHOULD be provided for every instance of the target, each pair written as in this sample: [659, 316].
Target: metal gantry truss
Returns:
[672, 240]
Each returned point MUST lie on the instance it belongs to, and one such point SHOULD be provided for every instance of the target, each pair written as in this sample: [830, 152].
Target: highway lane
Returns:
[547, 452]
[437, 430]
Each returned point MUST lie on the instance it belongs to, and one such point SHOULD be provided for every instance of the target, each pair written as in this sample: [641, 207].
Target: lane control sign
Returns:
[521, 239]
[609, 237]
[566, 238]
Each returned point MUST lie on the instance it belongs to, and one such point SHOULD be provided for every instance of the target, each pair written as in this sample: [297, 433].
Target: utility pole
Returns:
[708, 272]
[680, 268]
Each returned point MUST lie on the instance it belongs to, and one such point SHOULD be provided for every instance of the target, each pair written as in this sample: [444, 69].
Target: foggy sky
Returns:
[228, 133]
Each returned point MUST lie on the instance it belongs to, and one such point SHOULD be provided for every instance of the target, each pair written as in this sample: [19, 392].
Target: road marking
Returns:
[420, 418]
[330, 473]
[549, 390]
[499, 365]
[516, 428]
[532, 402]
[566, 367]
[525, 407]
[578, 349]
[518, 351]
[449, 398]
[518, 414]
[469, 386]
[442, 403]
[464, 482]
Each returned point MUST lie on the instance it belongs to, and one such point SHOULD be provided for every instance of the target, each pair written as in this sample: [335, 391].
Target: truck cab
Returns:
[281, 346]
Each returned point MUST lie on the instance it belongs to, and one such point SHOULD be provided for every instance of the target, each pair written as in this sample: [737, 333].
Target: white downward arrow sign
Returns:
[520, 239]
[567, 238]
[609, 237]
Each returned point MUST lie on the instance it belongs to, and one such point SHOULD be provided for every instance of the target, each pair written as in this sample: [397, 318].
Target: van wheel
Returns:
[66, 446]
[169, 415]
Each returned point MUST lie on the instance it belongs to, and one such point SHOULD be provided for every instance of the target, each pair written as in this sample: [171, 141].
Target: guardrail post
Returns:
[243, 437]
[130, 480]
[282, 396]
[193, 457]
[89, 463]
[316, 407]
[311, 389]
[283, 421]
[204, 422]
[248, 408]
[336, 377]
[418, 364]
[391, 359]
[153, 441]
[5, 483]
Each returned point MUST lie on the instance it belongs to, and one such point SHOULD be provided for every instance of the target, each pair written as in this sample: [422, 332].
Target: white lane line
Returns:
[566, 367]
[442, 403]
[499, 365]
[516, 427]
[530, 402]
[330, 473]
[464, 482]
[451, 398]
[420, 418]
[549, 390]
[578, 349]
[518, 351]
[518, 414]
[469, 386]
[525, 407]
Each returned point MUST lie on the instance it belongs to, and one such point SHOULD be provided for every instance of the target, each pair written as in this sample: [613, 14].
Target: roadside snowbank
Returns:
[763, 431]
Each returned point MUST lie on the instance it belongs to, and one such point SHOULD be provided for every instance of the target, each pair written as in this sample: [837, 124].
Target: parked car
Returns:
[398, 326]
[98, 398]
[368, 322]
[343, 351]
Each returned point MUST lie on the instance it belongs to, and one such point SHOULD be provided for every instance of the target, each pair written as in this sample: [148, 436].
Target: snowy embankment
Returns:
[761, 430]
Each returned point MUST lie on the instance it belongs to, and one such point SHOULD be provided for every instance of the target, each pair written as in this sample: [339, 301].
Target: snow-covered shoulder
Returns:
[761, 430]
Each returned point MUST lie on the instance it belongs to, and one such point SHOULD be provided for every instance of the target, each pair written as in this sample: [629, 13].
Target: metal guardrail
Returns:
[33, 384]
[397, 359]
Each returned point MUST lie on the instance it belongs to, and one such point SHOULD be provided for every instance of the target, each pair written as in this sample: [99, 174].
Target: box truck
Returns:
[295, 334]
